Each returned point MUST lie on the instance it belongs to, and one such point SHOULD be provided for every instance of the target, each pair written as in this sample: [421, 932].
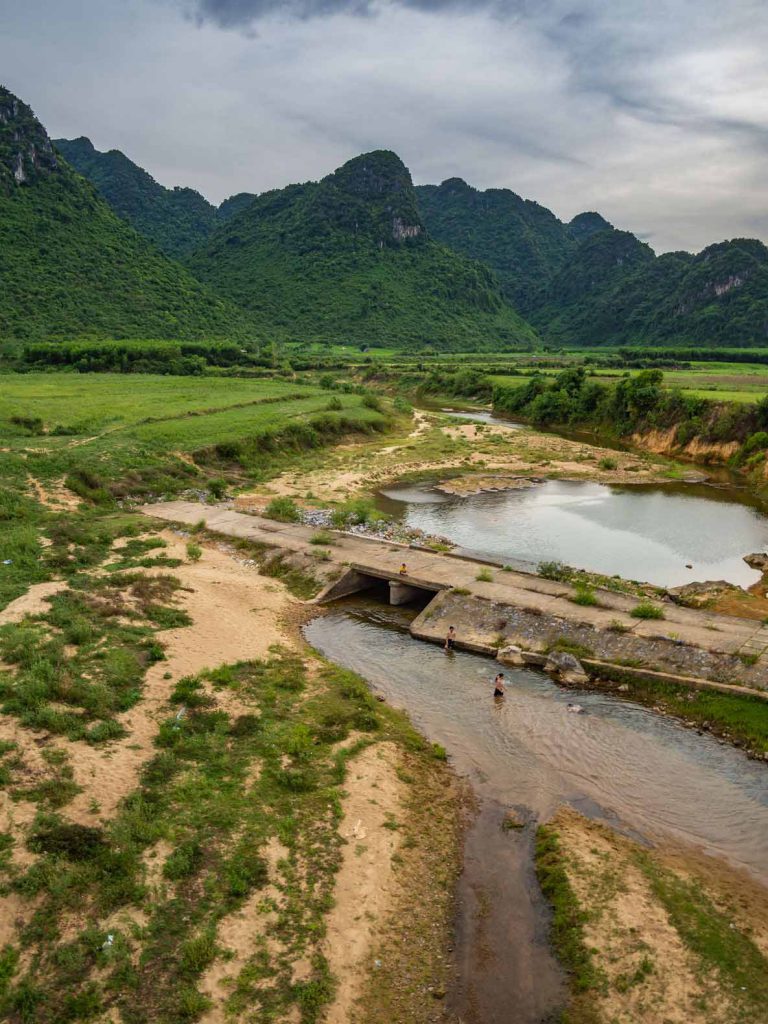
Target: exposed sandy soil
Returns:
[627, 926]
[436, 447]
[363, 883]
[55, 496]
[240, 934]
[32, 603]
[235, 617]
[662, 442]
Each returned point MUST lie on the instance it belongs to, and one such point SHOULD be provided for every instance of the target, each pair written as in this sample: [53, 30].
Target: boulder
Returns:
[510, 655]
[565, 668]
[757, 560]
[699, 595]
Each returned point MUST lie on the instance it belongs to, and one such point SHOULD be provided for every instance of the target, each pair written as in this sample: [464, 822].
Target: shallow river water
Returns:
[648, 533]
[617, 761]
[639, 768]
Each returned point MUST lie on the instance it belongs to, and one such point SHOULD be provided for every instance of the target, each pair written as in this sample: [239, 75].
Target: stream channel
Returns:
[665, 534]
[618, 762]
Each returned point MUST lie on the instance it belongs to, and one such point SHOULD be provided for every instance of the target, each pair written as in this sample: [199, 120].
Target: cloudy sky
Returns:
[654, 112]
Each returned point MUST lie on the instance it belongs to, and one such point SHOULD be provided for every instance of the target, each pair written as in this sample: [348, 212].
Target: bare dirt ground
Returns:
[238, 614]
[362, 892]
[650, 972]
[483, 455]
[31, 603]
[236, 617]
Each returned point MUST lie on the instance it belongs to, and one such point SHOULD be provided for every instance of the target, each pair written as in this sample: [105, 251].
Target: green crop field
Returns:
[734, 382]
[93, 402]
[109, 439]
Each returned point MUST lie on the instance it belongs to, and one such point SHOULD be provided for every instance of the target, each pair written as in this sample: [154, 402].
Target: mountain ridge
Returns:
[69, 267]
[351, 257]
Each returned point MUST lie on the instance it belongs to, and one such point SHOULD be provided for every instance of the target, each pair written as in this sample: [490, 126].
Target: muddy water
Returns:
[667, 535]
[615, 761]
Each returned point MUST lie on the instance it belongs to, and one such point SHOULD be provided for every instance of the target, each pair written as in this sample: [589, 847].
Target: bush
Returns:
[335, 404]
[321, 537]
[647, 610]
[484, 576]
[356, 512]
[284, 510]
[194, 551]
[217, 487]
[372, 402]
[607, 463]
[584, 595]
[76, 842]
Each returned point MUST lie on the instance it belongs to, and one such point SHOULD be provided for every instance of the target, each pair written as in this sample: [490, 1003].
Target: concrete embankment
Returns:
[511, 607]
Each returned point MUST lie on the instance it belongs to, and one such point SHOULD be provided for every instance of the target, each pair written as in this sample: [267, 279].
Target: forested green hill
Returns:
[177, 220]
[69, 267]
[347, 259]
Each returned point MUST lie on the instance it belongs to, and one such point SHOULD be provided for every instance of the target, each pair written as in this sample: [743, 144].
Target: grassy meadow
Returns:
[105, 439]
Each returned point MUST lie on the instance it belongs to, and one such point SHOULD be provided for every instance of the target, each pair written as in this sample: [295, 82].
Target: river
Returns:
[668, 534]
[616, 761]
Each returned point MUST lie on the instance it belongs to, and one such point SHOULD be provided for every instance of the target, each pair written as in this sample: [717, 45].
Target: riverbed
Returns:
[615, 761]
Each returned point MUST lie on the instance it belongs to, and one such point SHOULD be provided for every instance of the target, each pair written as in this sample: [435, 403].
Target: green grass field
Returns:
[110, 438]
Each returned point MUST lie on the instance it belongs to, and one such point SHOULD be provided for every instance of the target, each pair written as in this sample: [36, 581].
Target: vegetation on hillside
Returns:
[347, 260]
[586, 283]
[71, 267]
[524, 243]
[615, 291]
[176, 220]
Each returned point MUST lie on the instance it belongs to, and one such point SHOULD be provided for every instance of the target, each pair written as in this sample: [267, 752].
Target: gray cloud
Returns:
[239, 13]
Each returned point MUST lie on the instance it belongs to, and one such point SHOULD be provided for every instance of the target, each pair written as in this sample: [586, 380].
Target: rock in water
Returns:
[510, 655]
[565, 668]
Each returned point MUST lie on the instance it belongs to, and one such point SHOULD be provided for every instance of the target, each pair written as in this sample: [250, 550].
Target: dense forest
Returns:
[347, 259]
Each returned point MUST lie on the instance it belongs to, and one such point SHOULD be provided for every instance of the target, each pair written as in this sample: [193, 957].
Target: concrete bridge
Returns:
[511, 607]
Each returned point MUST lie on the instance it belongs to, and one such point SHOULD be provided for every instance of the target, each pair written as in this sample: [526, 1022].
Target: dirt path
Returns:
[362, 891]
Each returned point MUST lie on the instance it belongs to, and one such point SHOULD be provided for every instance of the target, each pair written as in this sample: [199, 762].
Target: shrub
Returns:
[321, 537]
[584, 595]
[77, 842]
[183, 861]
[217, 487]
[607, 463]
[484, 576]
[194, 551]
[554, 571]
[284, 510]
[356, 512]
[335, 404]
[647, 610]
[617, 626]
[372, 402]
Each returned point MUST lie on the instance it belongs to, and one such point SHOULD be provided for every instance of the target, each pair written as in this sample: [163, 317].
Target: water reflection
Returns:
[644, 532]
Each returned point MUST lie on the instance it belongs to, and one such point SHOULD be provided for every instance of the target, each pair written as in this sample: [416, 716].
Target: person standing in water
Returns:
[498, 685]
[450, 640]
